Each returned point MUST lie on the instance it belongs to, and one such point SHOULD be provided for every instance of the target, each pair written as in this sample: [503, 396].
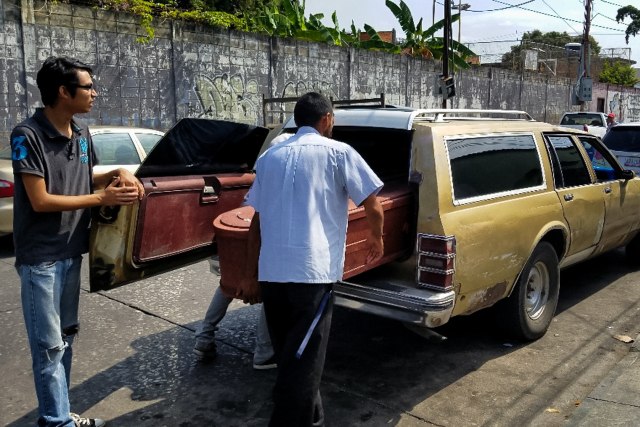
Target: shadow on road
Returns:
[376, 370]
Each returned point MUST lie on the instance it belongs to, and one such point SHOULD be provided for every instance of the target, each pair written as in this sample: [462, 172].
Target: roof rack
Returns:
[346, 103]
[439, 115]
[285, 111]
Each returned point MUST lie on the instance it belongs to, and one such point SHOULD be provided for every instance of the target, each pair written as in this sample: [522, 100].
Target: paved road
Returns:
[134, 367]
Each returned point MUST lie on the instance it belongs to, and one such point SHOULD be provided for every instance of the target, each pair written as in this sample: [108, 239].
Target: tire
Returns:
[532, 304]
[632, 251]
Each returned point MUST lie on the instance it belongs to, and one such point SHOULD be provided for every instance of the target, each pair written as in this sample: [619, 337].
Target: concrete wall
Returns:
[194, 71]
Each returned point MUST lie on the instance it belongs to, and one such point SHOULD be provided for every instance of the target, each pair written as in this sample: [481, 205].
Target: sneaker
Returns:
[87, 422]
[205, 352]
[267, 364]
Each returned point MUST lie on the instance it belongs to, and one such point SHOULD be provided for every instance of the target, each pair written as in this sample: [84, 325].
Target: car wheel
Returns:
[632, 251]
[533, 302]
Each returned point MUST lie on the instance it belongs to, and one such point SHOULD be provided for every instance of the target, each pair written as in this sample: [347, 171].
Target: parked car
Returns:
[624, 141]
[115, 147]
[491, 204]
[118, 146]
[6, 192]
[593, 122]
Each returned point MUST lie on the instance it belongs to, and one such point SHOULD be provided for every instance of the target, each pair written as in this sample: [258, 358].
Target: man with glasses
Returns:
[53, 158]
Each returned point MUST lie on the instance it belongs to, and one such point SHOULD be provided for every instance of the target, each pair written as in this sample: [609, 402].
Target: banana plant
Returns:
[424, 43]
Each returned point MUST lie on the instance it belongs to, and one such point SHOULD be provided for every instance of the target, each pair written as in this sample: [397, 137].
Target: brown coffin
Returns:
[231, 231]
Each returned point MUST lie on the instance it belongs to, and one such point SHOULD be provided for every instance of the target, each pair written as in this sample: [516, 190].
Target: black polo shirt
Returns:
[66, 165]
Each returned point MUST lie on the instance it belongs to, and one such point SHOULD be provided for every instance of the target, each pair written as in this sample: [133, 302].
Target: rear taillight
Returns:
[436, 261]
[6, 188]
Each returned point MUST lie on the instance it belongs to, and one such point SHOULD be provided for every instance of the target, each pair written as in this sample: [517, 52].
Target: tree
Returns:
[513, 58]
[288, 20]
[424, 43]
[618, 73]
[634, 26]
[246, 7]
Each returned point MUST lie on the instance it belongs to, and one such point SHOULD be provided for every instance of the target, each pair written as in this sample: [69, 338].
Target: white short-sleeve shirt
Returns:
[301, 191]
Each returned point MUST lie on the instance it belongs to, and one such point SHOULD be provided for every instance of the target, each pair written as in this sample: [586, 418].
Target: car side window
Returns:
[115, 149]
[148, 141]
[570, 163]
[490, 165]
[602, 167]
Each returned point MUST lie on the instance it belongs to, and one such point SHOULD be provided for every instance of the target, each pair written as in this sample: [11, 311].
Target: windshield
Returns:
[623, 138]
[589, 119]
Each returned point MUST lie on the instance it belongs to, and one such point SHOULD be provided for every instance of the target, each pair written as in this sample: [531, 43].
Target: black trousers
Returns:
[290, 309]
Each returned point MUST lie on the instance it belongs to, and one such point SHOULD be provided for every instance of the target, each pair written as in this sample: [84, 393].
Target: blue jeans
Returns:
[50, 296]
[206, 332]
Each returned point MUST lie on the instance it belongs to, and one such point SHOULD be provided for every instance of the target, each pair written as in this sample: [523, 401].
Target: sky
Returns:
[491, 26]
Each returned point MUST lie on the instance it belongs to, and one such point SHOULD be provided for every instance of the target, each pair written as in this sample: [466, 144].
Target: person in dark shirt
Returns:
[53, 161]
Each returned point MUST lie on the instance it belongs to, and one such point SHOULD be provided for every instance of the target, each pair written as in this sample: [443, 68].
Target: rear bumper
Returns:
[407, 304]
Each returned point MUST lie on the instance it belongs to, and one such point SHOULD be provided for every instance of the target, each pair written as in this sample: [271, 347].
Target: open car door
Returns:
[198, 170]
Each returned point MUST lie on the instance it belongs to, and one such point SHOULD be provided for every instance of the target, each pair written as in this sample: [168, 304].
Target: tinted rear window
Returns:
[493, 164]
[582, 119]
[623, 138]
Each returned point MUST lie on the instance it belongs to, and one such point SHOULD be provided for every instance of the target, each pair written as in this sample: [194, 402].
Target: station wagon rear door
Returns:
[198, 170]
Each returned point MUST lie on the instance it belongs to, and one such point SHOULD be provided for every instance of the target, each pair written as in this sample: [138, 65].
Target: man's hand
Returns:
[249, 291]
[117, 194]
[120, 178]
[375, 218]
[127, 179]
[376, 248]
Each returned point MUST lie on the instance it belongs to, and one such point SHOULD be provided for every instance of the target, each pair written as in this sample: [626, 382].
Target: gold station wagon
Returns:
[482, 207]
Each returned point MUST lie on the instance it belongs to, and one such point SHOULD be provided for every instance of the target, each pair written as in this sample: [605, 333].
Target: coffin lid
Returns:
[234, 220]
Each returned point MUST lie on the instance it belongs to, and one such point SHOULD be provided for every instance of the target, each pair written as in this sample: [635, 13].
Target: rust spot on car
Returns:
[485, 297]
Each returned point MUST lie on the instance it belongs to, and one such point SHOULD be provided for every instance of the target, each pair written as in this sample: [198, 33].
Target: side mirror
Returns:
[627, 174]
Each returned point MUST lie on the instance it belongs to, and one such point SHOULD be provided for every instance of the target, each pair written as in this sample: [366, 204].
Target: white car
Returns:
[115, 147]
[589, 121]
[624, 141]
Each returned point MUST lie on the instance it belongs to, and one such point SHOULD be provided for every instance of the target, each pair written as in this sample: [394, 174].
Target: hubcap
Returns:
[537, 292]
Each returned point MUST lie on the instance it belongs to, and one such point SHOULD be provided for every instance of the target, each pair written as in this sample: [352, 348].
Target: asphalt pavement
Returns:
[133, 363]
[616, 400]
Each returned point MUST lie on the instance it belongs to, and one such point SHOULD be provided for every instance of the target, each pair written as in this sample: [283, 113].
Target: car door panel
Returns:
[184, 209]
[584, 210]
[621, 219]
[198, 170]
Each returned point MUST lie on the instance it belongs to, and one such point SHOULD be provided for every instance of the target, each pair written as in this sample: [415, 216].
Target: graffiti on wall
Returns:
[301, 87]
[278, 112]
[614, 104]
[226, 97]
[626, 106]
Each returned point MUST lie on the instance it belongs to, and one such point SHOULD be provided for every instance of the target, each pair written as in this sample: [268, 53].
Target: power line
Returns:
[493, 10]
[553, 16]
[558, 15]
[608, 2]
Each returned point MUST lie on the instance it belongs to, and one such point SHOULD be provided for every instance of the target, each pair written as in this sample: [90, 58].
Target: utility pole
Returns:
[460, 7]
[585, 83]
[447, 48]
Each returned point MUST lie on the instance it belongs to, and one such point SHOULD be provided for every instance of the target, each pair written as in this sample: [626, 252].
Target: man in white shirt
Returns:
[301, 195]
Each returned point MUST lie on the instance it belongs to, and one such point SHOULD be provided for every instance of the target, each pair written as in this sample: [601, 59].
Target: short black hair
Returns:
[310, 108]
[59, 71]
